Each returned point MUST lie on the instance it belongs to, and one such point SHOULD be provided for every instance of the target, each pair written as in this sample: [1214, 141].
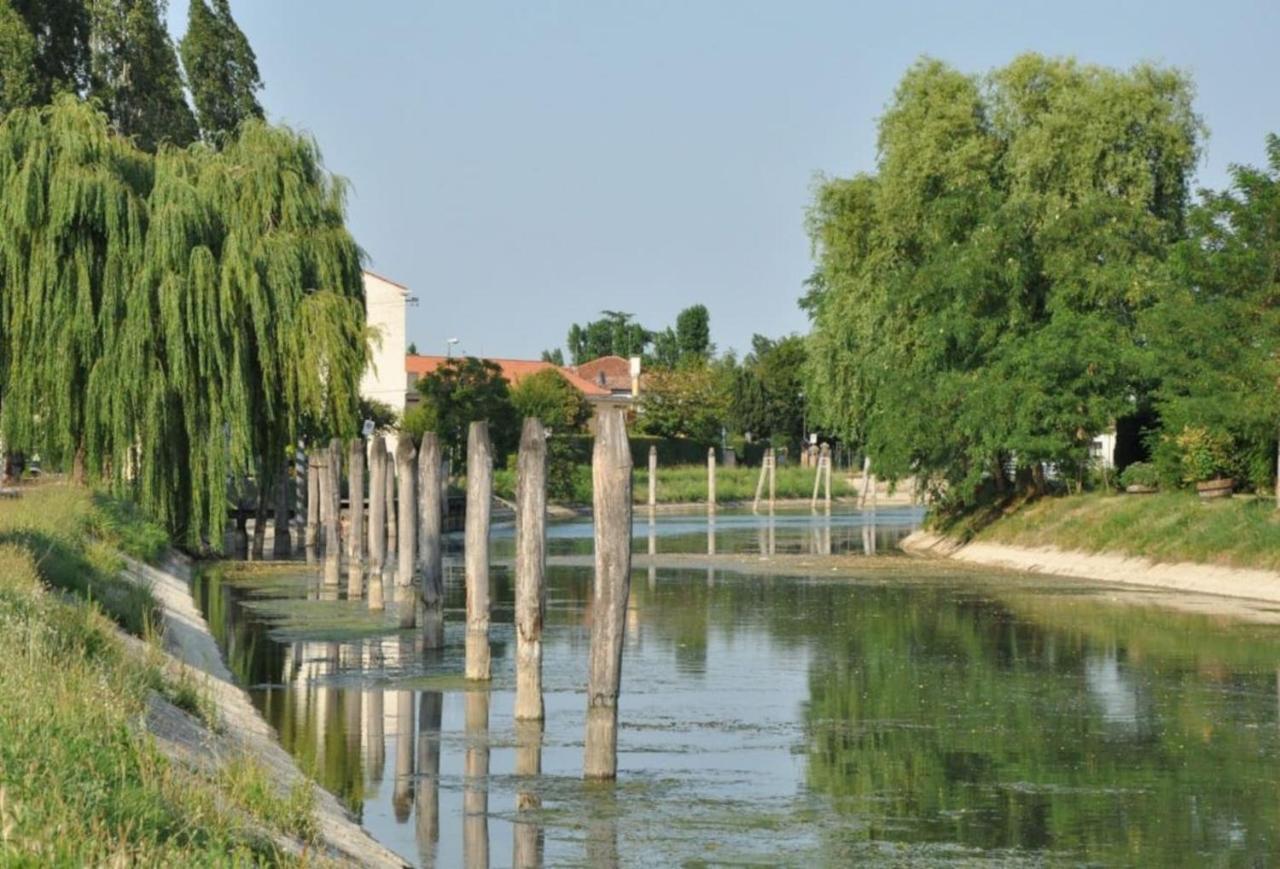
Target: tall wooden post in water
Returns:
[377, 505]
[611, 476]
[406, 484]
[313, 503]
[531, 545]
[430, 546]
[389, 493]
[282, 544]
[334, 542]
[653, 478]
[773, 478]
[355, 497]
[479, 498]
[711, 479]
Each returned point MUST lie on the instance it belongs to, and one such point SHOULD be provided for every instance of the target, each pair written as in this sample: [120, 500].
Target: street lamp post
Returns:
[448, 353]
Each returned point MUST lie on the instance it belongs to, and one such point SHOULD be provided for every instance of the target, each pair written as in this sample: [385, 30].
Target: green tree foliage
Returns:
[693, 332]
[555, 357]
[690, 402]
[614, 334]
[547, 396]
[768, 390]
[1214, 338]
[19, 81]
[460, 391]
[976, 300]
[134, 74]
[221, 68]
[173, 320]
[52, 38]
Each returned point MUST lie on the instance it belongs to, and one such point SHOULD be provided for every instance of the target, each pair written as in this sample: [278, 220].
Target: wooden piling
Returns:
[531, 545]
[262, 501]
[325, 496]
[653, 477]
[430, 537]
[333, 536]
[817, 482]
[313, 502]
[355, 498]
[407, 515]
[764, 472]
[711, 479]
[824, 462]
[282, 544]
[377, 506]
[773, 478]
[479, 502]
[866, 478]
[389, 493]
[611, 477]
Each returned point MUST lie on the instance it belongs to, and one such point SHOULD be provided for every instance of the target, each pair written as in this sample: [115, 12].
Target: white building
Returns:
[386, 305]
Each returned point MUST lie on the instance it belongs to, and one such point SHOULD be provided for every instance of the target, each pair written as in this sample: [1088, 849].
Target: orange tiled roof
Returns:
[513, 370]
[611, 372]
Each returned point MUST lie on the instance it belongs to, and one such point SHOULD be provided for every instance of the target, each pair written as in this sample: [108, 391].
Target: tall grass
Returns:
[81, 781]
[1175, 526]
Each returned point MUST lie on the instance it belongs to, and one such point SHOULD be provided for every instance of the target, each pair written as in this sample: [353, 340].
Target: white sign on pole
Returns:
[369, 427]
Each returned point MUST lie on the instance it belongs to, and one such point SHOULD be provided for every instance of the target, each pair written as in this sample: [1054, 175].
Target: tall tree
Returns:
[693, 332]
[135, 76]
[60, 30]
[221, 68]
[19, 82]
[614, 334]
[976, 300]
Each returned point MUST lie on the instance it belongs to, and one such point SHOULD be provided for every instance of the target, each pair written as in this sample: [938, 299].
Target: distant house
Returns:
[618, 375]
[515, 370]
[386, 303]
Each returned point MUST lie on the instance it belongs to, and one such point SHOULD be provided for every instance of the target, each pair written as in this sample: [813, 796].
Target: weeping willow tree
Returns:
[177, 320]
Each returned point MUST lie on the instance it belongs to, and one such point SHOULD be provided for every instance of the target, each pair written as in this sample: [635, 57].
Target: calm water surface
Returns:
[901, 717]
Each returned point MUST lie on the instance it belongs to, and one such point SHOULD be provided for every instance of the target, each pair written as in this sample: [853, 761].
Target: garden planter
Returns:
[1220, 488]
[1138, 489]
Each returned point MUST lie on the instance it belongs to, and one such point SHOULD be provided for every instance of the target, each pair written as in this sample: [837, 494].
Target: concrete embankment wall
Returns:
[1105, 567]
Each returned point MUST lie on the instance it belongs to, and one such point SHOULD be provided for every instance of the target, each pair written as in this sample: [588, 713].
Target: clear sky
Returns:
[522, 166]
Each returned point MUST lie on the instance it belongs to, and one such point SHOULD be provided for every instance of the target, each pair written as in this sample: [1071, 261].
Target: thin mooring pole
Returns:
[333, 542]
[377, 505]
[531, 546]
[711, 479]
[817, 481]
[764, 470]
[389, 493]
[313, 503]
[430, 547]
[653, 478]
[355, 497]
[479, 498]
[611, 475]
[825, 464]
[773, 478]
[407, 483]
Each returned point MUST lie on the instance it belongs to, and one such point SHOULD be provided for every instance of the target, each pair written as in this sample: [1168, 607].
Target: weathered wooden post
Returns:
[407, 484]
[355, 498]
[334, 542]
[711, 479]
[764, 472]
[817, 482]
[313, 503]
[531, 546]
[262, 500]
[866, 478]
[527, 844]
[282, 544]
[479, 502]
[377, 503]
[611, 476]
[653, 477]
[324, 493]
[475, 795]
[390, 496]
[824, 462]
[402, 791]
[430, 536]
[773, 478]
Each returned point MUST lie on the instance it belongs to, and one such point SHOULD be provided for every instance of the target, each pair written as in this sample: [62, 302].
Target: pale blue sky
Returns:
[523, 166]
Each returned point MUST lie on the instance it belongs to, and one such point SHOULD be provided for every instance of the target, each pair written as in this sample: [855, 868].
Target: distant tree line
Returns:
[1027, 268]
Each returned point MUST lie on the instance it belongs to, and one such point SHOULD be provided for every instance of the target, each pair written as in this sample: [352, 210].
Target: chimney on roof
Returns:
[635, 377]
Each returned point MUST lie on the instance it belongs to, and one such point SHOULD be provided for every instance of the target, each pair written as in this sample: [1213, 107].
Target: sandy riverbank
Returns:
[1261, 585]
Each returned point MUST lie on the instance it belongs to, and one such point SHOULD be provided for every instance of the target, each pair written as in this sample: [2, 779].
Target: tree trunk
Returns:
[479, 497]
[611, 476]
[531, 545]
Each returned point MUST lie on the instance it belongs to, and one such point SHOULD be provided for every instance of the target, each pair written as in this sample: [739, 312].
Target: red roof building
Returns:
[513, 371]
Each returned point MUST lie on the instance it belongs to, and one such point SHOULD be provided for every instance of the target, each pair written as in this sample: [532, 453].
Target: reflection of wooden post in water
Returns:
[773, 539]
[653, 478]
[282, 544]
[711, 479]
[531, 546]
[402, 792]
[427, 805]
[407, 555]
[611, 475]
[313, 504]
[475, 794]
[430, 551]
[711, 534]
[377, 508]
[375, 743]
[653, 550]
[528, 839]
[602, 831]
[869, 535]
[355, 498]
[479, 497]
[352, 699]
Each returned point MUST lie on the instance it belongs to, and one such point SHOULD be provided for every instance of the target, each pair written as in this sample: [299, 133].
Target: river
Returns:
[877, 709]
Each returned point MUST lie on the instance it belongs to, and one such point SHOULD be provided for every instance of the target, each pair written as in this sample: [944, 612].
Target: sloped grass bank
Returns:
[81, 780]
[1167, 527]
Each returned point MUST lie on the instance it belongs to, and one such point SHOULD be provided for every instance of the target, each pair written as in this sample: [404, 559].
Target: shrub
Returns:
[1205, 454]
[1140, 474]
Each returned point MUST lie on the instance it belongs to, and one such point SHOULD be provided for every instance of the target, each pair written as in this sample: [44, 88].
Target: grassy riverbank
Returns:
[687, 484]
[1168, 527]
[82, 782]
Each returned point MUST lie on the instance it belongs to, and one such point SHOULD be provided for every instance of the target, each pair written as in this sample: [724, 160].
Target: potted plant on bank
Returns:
[1140, 478]
[1206, 461]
